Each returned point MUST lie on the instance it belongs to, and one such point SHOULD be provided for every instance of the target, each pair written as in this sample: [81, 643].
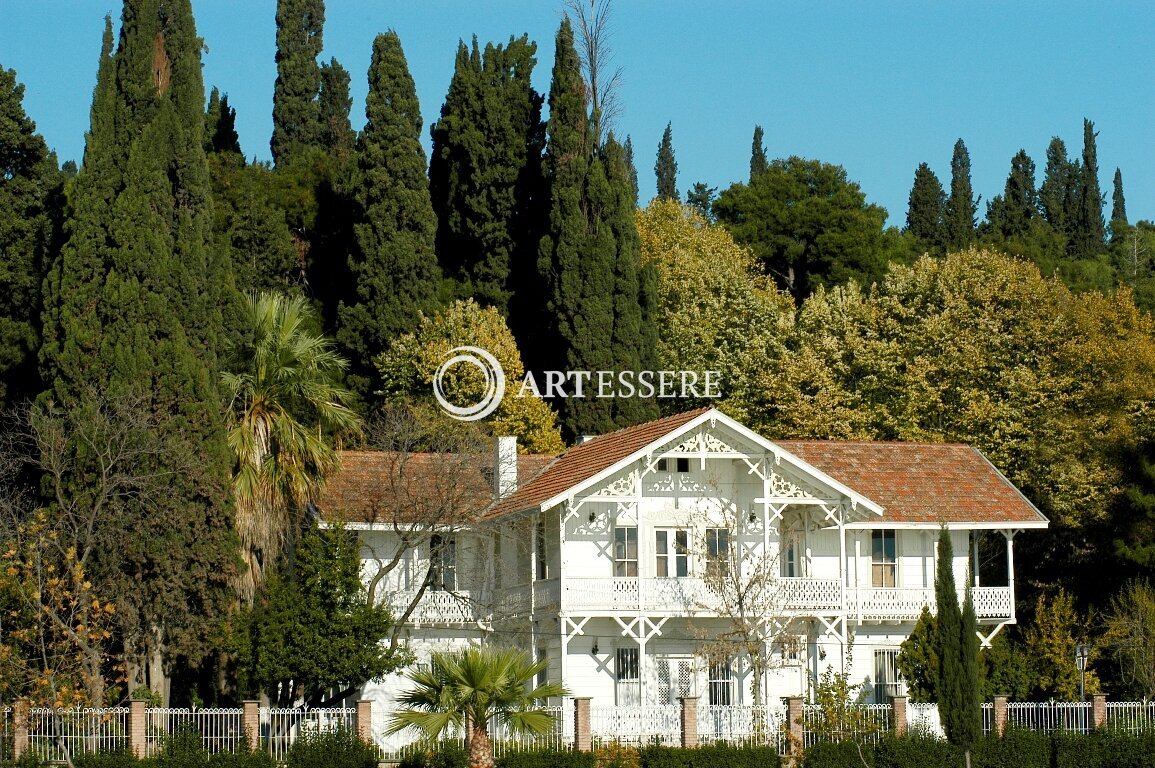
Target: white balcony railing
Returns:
[791, 596]
[438, 607]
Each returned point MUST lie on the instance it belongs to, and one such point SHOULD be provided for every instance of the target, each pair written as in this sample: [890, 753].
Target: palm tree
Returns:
[284, 396]
[473, 688]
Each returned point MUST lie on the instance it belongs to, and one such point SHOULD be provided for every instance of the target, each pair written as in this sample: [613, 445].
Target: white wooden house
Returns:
[635, 560]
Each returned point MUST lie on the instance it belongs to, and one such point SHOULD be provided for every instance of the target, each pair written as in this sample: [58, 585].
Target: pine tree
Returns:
[701, 198]
[296, 115]
[758, 161]
[924, 213]
[29, 184]
[1118, 203]
[485, 172]
[393, 266]
[959, 211]
[135, 309]
[666, 167]
[335, 133]
[1089, 229]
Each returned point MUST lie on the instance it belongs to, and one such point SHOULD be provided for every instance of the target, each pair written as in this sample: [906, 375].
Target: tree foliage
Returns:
[918, 661]
[283, 399]
[716, 311]
[29, 183]
[1130, 638]
[296, 116]
[807, 224]
[1051, 639]
[924, 214]
[958, 213]
[666, 167]
[408, 367]
[393, 267]
[313, 634]
[485, 173]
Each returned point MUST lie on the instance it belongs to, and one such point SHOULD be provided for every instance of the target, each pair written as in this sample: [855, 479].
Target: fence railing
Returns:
[636, 725]
[220, 730]
[856, 723]
[740, 725]
[1131, 716]
[54, 734]
[1050, 716]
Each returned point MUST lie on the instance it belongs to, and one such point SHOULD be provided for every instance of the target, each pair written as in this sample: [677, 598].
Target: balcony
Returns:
[437, 607]
[906, 604]
[693, 596]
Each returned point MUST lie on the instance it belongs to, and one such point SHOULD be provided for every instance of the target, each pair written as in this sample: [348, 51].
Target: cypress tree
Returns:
[1089, 228]
[335, 133]
[958, 703]
[135, 305]
[969, 726]
[221, 127]
[1011, 214]
[599, 301]
[1059, 190]
[924, 213]
[29, 181]
[758, 161]
[296, 115]
[485, 172]
[959, 210]
[631, 166]
[666, 167]
[1118, 202]
[393, 266]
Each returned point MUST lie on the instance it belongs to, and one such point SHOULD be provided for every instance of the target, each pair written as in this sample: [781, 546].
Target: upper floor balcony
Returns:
[786, 596]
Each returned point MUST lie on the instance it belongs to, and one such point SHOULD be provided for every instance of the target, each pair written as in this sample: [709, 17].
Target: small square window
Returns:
[662, 465]
[683, 465]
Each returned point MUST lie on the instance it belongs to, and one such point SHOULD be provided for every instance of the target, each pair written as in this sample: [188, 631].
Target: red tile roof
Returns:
[379, 486]
[921, 482]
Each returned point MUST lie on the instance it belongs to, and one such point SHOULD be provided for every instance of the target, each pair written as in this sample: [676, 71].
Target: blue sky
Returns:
[876, 87]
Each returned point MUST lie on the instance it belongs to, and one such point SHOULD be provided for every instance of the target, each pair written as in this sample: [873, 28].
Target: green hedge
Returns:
[338, 748]
[549, 758]
[711, 756]
[830, 754]
[1017, 748]
[1104, 749]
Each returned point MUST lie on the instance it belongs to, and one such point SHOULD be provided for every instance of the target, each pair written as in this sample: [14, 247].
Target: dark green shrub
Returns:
[1017, 748]
[547, 758]
[243, 757]
[840, 754]
[338, 748]
[446, 754]
[117, 758]
[709, 756]
[182, 749]
[1104, 749]
[917, 750]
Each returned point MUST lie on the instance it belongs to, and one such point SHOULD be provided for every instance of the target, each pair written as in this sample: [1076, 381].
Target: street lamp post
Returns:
[1082, 651]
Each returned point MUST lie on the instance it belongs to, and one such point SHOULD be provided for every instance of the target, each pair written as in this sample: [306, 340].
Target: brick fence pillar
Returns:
[19, 730]
[1099, 710]
[251, 719]
[582, 737]
[796, 724]
[364, 722]
[689, 722]
[898, 712]
[1000, 715]
[137, 728]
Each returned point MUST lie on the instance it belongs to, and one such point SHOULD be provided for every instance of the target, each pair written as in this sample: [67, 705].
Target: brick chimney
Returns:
[505, 466]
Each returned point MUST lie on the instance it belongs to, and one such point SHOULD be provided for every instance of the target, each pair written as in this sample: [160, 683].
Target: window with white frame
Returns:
[671, 552]
[627, 674]
[720, 682]
[883, 560]
[887, 681]
[717, 552]
[626, 551]
[542, 565]
[442, 563]
[791, 566]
